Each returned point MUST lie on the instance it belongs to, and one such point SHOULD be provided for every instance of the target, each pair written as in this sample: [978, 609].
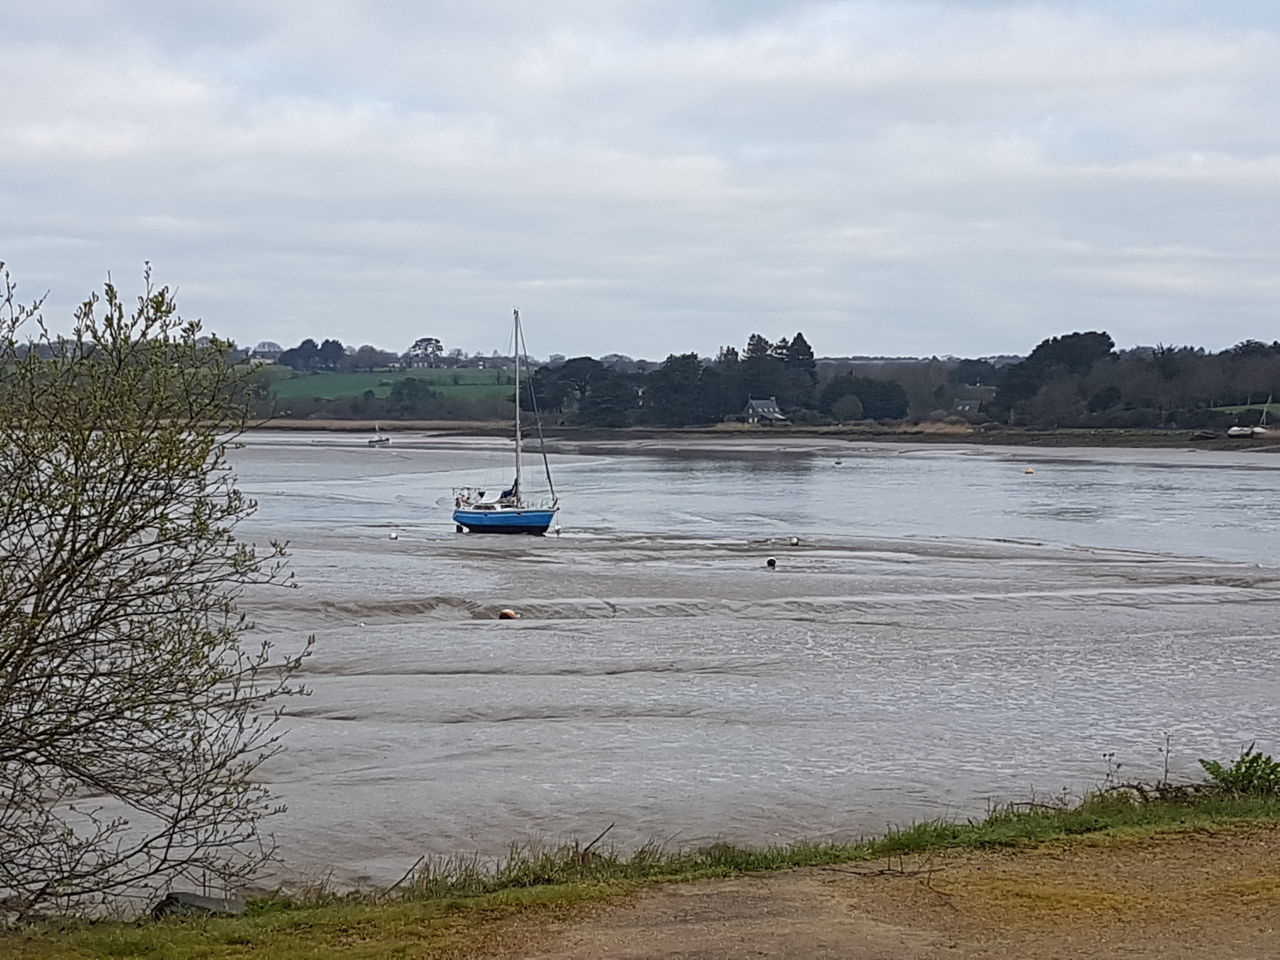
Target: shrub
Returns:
[1252, 772]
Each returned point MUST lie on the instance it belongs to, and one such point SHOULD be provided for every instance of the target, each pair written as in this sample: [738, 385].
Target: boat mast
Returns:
[516, 315]
[537, 419]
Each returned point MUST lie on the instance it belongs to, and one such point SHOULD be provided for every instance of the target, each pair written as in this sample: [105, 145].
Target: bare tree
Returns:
[133, 708]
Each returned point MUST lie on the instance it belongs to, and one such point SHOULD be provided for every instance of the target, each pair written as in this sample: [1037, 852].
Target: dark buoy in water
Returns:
[508, 615]
[839, 462]
[771, 563]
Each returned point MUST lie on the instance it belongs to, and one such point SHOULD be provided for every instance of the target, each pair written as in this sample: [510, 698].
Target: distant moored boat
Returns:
[1261, 430]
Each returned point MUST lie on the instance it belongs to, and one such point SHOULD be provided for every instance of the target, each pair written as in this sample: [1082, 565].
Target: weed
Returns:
[1253, 772]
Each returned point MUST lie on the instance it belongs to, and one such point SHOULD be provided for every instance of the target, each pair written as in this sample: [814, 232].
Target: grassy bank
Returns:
[466, 908]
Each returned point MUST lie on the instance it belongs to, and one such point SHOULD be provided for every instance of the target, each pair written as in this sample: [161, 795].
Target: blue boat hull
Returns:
[504, 521]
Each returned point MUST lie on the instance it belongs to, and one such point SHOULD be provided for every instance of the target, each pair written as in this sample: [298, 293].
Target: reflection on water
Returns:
[947, 629]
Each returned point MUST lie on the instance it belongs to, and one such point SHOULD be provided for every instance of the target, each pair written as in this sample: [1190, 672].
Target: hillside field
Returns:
[472, 384]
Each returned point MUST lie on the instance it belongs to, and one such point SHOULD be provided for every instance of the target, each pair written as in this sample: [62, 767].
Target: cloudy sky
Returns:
[901, 178]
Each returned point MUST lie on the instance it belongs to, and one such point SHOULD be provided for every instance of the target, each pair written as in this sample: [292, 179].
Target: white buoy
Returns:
[1028, 471]
[771, 563]
[394, 536]
[795, 541]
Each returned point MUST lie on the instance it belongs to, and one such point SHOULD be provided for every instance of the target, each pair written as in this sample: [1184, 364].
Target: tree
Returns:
[426, 348]
[411, 397]
[133, 708]
[728, 356]
[302, 357]
[371, 358]
[758, 347]
[763, 371]
[1073, 354]
[546, 389]
[973, 372]
[579, 373]
[800, 357]
[880, 399]
[331, 355]
[673, 394]
[847, 407]
[609, 401]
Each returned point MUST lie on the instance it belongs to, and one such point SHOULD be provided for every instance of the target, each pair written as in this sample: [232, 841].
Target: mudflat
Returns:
[1193, 895]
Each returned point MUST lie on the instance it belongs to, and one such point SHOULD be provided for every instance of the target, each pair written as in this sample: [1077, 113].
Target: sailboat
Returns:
[379, 439]
[1261, 430]
[507, 511]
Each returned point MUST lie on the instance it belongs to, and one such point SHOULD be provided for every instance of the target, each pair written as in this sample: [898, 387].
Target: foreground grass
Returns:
[464, 907]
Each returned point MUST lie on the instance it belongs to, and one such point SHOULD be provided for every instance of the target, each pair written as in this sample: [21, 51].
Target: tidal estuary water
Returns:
[949, 630]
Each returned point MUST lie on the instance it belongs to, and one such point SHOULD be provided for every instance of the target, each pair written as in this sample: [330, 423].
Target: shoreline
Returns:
[581, 900]
[925, 434]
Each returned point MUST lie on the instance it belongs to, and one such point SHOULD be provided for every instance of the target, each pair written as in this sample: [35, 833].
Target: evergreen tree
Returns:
[800, 356]
[758, 347]
[673, 392]
[610, 401]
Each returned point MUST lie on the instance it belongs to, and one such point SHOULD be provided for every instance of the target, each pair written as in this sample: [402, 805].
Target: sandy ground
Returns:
[1182, 897]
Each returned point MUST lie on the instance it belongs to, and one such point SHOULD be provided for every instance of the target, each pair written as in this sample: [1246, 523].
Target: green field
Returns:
[1273, 409]
[473, 384]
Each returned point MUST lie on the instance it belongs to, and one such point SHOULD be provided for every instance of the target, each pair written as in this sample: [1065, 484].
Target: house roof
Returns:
[768, 409]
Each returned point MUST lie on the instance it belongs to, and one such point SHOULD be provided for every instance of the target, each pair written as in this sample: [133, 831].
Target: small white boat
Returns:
[379, 439]
[1261, 430]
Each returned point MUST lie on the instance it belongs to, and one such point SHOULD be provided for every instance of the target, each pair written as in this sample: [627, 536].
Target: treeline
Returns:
[1081, 380]
[333, 356]
[684, 390]
[1076, 380]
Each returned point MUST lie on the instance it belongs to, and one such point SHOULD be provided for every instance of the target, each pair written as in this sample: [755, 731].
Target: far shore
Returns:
[927, 433]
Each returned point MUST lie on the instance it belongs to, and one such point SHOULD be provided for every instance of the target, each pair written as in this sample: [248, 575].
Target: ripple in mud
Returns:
[949, 634]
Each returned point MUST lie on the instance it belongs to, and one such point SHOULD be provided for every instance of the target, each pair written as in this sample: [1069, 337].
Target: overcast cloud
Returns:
[653, 177]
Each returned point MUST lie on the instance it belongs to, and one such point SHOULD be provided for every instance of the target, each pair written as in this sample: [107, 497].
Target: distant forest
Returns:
[1075, 380]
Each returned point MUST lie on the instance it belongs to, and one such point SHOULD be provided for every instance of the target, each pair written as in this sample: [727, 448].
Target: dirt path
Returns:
[1184, 896]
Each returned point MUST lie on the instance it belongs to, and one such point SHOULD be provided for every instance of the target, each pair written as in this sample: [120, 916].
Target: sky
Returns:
[650, 177]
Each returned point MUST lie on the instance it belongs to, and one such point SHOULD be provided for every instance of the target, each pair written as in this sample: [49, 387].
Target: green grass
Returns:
[455, 907]
[478, 384]
[1272, 408]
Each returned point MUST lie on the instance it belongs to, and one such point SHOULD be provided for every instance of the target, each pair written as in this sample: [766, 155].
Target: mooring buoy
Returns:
[771, 563]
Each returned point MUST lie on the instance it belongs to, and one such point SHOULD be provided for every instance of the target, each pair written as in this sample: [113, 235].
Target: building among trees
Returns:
[762, 411]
